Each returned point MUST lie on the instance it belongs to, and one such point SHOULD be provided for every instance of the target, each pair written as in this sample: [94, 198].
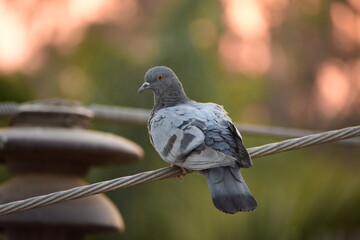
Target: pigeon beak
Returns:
[144, 87]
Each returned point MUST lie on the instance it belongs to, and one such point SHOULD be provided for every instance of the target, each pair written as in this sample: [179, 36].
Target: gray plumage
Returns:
[201, 137]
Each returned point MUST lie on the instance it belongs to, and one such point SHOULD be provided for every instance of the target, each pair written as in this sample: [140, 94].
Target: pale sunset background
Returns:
[270, 62]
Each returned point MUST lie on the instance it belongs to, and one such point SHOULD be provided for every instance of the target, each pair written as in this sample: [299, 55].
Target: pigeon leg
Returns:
[184, 171]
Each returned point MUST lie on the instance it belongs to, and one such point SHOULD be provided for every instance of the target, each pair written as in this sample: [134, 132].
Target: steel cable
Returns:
[163, 173]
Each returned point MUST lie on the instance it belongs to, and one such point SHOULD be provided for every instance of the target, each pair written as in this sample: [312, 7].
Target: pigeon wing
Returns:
[177, 135]
[222, 135]
[244, 157]
[172, 136]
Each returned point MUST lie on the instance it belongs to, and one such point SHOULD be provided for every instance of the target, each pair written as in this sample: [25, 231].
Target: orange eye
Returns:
[160, 77]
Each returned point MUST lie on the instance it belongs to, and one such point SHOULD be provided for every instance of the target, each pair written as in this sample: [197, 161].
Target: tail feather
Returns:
[228, 190]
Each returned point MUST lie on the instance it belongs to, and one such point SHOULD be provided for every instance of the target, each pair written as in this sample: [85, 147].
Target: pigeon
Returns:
[198, 137]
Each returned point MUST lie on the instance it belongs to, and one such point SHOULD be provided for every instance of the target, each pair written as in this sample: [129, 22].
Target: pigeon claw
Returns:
[184, 171]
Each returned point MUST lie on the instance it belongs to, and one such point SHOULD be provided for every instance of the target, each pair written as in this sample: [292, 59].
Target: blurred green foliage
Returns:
[304, 194]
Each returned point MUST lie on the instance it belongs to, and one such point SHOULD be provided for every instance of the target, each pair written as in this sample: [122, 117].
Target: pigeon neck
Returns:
[172, 96]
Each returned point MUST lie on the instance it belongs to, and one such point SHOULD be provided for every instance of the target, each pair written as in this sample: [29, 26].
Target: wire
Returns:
[139, 117]
[163, 173]
[8, 109]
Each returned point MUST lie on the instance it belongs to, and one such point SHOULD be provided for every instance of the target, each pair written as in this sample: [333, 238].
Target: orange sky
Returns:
[26, 27]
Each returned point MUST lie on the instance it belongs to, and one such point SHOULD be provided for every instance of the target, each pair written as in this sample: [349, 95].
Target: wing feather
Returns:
[196, 136]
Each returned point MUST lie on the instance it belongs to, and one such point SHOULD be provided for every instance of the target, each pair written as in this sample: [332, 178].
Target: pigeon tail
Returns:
[228, 190]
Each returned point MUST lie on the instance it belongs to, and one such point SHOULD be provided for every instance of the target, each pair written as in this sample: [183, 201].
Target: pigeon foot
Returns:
[184, 171]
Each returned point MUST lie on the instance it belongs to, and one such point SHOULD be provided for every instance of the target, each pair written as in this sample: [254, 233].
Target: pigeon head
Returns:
[166, 86]
[159, 79]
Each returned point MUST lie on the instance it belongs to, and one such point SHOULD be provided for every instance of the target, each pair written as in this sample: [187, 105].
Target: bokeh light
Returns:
[346, 23]
[26, 27]
[272, 62]
[334, 88]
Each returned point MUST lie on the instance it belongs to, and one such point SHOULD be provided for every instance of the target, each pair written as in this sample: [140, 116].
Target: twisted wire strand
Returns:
[163, 173]
[8, 109]
[123, 115]
[88, 190]
[305, 141]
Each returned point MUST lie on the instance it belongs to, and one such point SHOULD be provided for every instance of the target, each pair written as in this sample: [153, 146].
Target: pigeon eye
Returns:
[160, 77]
